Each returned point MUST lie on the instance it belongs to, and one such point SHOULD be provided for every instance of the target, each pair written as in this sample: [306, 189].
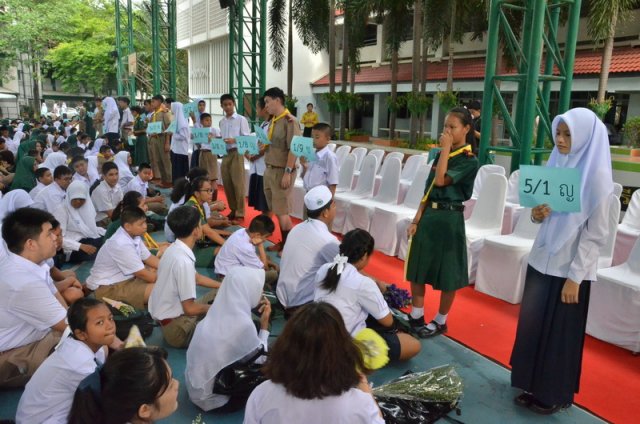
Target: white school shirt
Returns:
[136, 184]
[270, 403]
[323, 171]
[87, 180]
[48, 396]
[61, 139]
[356, 297]
[37, 189]
[206, 146]
[118, 259]
[176, 282]
[578, 258]
[233, 127]
[127, 118]
[237, 251]
[50, 197]
[258, 166]
[105, 198]
[168, 234]
[309, 245]
[28, 306]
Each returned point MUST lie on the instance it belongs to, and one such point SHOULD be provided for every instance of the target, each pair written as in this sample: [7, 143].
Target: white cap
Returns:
[317, 198]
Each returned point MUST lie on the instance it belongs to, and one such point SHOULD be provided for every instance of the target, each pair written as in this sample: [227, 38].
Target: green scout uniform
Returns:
[438, 253]
[141, 152]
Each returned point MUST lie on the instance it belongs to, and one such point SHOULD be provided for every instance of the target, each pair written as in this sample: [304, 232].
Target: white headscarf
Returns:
[20, 126]
[96, 147]
[591, 155]
[182, 125]
[227, 333]
[18, 136]
[122, 160]
[81, 220]
[14, 144]
[111, 114]
[54, 160]
[13, 200]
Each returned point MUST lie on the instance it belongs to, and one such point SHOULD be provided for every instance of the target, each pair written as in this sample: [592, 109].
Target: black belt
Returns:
[446, 206]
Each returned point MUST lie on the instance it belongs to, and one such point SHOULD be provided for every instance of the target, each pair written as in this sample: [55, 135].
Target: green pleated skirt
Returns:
[438, 253]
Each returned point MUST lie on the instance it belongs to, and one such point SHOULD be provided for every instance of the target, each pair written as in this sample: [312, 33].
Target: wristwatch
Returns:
[288, 170]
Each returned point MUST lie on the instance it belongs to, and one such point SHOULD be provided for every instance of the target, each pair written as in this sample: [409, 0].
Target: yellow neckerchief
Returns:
[276, 119]
[153, 117]
[465, 148]
[202, 214]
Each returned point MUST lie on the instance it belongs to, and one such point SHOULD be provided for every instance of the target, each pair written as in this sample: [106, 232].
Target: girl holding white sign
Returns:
[547, 354]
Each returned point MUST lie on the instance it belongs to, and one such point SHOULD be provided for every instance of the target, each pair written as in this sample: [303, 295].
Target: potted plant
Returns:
[357, 135]
[290, 103]
[448, 100]
[632, 133]
[600, 109]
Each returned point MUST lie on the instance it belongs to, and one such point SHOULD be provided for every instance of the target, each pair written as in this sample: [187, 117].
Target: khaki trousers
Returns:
[233, 179]
[179, 331]
[19, 364]
[163, 162]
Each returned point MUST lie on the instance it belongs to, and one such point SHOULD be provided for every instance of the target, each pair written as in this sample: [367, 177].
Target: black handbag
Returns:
[240, 378]
[140, 317]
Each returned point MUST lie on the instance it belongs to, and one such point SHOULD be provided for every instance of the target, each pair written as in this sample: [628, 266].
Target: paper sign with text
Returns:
[303, 147]
[261, 134]
[218, 147]
[247, 143]
[200, 135]
[154, 127]
[557, 187]
[188, 108]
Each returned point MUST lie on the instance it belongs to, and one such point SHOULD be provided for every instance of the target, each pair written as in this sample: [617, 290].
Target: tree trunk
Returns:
[450, 42]
[416, 67]
[607, 52]
[352, 90]
[290, 53]
[343, 80]
[332, 58]
[35, 77]
[423, 70]
[394, 93]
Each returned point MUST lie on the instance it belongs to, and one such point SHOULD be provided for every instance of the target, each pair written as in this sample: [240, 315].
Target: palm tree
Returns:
[416, 71]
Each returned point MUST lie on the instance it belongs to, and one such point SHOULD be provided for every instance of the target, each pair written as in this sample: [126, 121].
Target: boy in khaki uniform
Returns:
[280, 173]
[160, 144]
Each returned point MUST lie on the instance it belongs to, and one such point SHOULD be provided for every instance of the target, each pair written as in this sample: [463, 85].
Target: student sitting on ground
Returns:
[44, 177]
[356, 296]
[132, 199]
[32, 315]
[25, 175]
[240, 250]
[105, 154]
[77, 217]
[49, 394]
[173, 300]
[52, 196]
[82, 171]
[227, 335]
[65, 281]
[135, 385]
[124, 269]
[140, 184]
[107, 194]
[304, 386]
[123, 160]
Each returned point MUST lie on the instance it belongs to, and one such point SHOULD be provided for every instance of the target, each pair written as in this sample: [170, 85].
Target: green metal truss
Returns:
[539, 34]
[248, 56]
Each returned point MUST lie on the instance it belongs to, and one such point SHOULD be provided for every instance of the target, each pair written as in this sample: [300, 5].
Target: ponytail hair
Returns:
[181, 185]
[195, 185]
[131, 199]
[463, 114]
[355, 245]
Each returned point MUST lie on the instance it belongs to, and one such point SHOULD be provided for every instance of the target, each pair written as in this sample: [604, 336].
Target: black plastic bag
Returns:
[240, 378]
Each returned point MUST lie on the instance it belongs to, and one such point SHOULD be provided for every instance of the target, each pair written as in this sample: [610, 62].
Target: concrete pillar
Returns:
[377, 114]
[436, 119]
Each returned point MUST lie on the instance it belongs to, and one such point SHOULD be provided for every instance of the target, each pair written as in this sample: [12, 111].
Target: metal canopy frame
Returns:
[540, 29]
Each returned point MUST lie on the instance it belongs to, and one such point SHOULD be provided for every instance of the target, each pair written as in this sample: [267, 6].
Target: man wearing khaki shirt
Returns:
[160, 144]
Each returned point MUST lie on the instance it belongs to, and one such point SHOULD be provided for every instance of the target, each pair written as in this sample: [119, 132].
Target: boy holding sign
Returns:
[160, 143]
[233, 125]
[208, 160]
[324, 170]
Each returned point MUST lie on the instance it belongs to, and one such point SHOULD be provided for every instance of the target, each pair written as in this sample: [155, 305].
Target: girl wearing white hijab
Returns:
[123, 160]
[95, 149]
[77, 216]
[54, 160]
[111, 121]
[12, 201]
[226, 335]
[547, 354]
[179, 143]
[13, 145]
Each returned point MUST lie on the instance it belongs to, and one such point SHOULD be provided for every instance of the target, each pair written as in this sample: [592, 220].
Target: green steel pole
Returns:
[171, 12]
[570, 55]
[232, 40]
[132, 77]
[254, 59]
[155, 40]
[489, 79]
[533, 71]
[263, 46]
[119, 70]
[240, 55]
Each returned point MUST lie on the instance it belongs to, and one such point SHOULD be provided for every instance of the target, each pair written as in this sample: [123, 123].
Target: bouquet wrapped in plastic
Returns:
[124, 308]
[396, 297]
[422, 397]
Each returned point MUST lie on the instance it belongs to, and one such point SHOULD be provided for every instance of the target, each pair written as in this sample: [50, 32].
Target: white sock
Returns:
[417, 312]
[440, 319]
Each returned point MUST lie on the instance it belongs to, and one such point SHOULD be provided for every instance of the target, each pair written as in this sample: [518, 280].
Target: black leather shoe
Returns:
[524, 399]
[542, 409]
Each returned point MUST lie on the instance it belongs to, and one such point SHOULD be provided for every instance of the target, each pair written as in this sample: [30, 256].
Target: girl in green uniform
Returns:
[438, 249]
[141, 152]
[25, 176]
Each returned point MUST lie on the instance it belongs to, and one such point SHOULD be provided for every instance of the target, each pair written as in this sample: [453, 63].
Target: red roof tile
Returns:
[625, 59]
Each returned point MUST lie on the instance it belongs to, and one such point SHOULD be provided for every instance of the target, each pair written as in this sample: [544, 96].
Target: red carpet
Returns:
[610, 384]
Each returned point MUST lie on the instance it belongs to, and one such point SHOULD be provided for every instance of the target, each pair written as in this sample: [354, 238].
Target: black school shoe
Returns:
[421, 330]
[524, 399]
[542, 409]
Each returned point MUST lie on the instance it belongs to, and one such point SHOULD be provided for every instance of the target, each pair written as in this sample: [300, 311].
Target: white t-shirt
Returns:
[28, 307]
[270, 403]
[118, 259]
[237, 251]
[356, 297]
[50, 197]
[309, 246]
[323, 171]
[176, 282]
[48, 396]
[105, 198]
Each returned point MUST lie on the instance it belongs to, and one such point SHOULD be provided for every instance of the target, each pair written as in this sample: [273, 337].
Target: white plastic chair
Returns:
[614, 304]
[379, 154]
[363, 189]
[605, 258]
[486, 218]
[345, 175]
[397, 155]
[361, 210]
[512, 208]
[360, 153]
[332, 147]
[411, 167]
[386, 218]
[297, 196]
[502, 261]
[628, 230]
[341, 154]
[481, 177]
